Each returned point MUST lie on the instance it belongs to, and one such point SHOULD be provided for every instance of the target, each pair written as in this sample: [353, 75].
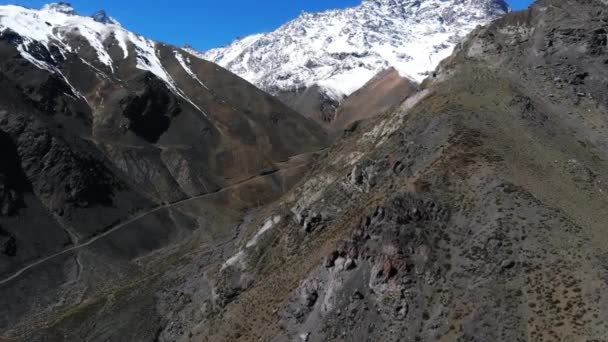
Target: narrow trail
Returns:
[120, 225]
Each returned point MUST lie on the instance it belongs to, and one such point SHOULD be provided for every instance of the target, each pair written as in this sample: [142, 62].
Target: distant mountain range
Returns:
[339, 50]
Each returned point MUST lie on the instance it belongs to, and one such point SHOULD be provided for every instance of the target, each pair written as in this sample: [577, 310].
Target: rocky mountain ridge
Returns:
[340, 50]
[473, 212]
[116, 148]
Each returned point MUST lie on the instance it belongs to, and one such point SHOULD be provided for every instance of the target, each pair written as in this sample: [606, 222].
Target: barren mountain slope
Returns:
[381, 94]
[475, 212]
[105, 136]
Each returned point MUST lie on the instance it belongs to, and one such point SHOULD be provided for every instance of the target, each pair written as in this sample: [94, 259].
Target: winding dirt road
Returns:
[120, 225]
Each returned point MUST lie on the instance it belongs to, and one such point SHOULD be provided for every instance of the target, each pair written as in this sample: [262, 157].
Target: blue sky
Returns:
[205, 23]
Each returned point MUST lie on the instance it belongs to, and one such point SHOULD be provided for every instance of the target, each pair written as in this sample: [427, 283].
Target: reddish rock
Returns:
[388, 270]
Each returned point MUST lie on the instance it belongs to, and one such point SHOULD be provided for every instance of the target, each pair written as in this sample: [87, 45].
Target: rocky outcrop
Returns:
[150, 113]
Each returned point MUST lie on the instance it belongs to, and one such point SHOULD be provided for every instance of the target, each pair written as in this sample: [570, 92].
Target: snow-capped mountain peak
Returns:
[340, 50]
[61, 7]
[55, 25]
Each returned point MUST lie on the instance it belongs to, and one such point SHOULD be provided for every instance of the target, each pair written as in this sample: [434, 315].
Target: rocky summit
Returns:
[473, 207]
[313, 62]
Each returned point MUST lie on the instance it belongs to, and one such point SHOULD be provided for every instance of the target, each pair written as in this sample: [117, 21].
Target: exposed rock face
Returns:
[474, 212]
[102, 17]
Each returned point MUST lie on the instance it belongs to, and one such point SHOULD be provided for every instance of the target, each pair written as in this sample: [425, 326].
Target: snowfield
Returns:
[340, 50]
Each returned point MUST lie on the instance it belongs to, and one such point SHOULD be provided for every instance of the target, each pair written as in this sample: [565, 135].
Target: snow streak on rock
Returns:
[55, 26]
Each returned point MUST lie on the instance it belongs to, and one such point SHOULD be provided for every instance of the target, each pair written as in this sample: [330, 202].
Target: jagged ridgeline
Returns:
[313, 62]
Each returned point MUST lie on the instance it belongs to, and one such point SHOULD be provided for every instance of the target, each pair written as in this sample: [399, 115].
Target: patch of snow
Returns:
[122, 37]
[186, 66]
[53, 24]
[99, 72]
[61, 7]
[239, 258]
[50, 68]
[148, 60]
[39, 64]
